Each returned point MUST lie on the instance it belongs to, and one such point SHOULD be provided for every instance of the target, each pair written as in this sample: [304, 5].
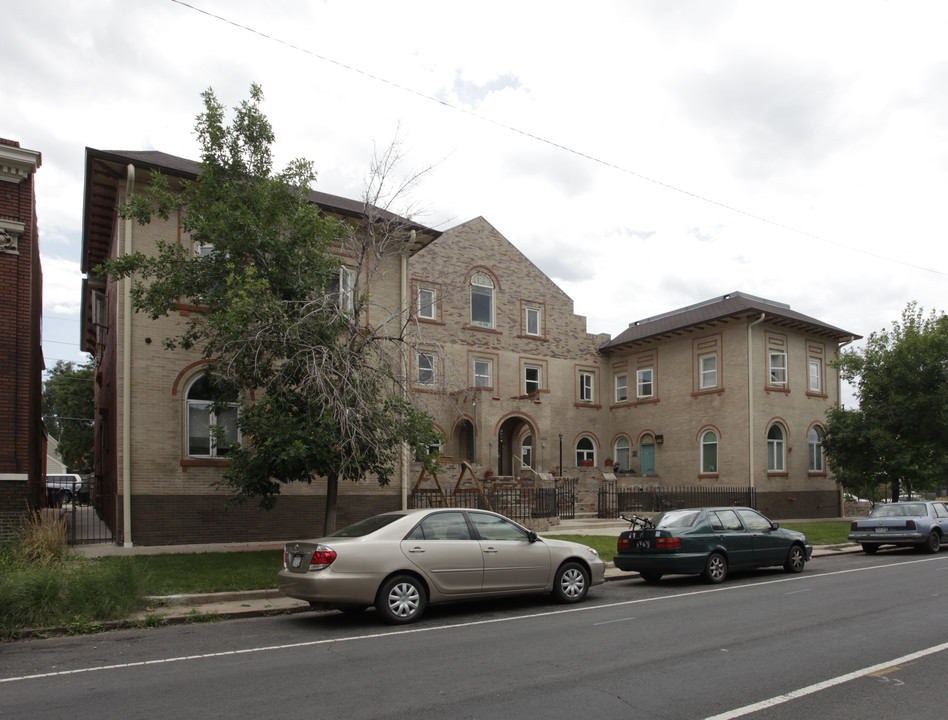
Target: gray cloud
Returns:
[770, 117]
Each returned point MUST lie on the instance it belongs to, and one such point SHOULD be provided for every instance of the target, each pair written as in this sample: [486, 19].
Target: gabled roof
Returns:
[733, 306]
[105, 169]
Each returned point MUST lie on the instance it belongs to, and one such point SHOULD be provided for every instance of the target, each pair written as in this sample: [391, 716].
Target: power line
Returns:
[559, 146]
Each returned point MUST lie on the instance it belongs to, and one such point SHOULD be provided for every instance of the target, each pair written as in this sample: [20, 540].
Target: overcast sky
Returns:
[646, 154]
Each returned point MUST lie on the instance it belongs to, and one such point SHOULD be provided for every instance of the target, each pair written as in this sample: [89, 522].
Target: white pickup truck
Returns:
[66, 487]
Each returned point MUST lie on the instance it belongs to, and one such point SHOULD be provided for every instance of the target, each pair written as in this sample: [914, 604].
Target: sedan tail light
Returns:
[667, 543]
[853, 525]
[323, 557]
[624, 543]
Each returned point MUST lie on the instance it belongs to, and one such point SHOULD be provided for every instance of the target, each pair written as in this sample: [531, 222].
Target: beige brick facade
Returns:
[502, 362]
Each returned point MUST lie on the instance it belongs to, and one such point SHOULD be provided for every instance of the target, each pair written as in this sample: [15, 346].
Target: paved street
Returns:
[864, 633]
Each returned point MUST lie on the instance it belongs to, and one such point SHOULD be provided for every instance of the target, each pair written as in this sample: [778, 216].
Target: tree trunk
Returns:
[332, 494]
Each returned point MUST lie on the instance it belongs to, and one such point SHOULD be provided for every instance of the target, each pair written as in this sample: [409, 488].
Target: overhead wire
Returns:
[554, 144]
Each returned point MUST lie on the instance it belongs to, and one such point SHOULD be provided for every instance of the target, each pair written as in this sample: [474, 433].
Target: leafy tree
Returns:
[278, 317]
[899, 433]
[68, 407]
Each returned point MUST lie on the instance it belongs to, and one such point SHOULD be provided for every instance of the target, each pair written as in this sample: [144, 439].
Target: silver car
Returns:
[401, 561]
[918, 523]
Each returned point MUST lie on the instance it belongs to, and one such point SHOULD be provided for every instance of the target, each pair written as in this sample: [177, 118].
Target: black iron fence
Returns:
[86, 507]
[521, 502]
[614, 501]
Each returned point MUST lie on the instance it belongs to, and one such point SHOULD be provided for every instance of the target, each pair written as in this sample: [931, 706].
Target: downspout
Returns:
[406, 311]
[839, 403]
[750, 400]
[127, 376]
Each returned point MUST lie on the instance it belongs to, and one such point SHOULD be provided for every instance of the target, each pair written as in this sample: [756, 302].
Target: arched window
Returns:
[815, 445]
[585, 451]
[211, 419]
[623, 455]
[709, 452]
[775, 449]
[482, 300]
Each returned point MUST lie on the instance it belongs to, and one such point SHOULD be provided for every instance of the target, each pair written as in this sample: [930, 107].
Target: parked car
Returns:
[710, 542]
[918, 523]
[64, 488]
[402, 561]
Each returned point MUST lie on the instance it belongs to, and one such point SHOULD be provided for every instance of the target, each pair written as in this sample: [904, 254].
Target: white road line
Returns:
[825, 684]
[435, 628]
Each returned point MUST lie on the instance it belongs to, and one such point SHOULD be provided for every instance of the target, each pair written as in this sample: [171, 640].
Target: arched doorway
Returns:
[463, 440]
[510, 435]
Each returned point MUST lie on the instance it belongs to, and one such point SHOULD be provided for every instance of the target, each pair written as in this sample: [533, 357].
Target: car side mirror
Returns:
[532, 536]
[774, 526]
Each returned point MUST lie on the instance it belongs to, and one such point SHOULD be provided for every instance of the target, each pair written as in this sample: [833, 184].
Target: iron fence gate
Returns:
[521, 503]
[614, 502]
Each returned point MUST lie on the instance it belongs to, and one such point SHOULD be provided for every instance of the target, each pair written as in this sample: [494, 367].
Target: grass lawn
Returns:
[173, 574]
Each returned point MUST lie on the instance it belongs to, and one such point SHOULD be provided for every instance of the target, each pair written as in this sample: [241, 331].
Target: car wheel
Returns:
[401, 599]
[933, 544]
[66, 497]
[796, 559]
[870, 549]
[715, 569]
[571, 583]
[650, 576]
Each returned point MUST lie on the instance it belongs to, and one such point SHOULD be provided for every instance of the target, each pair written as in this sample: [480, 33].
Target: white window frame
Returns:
[816, 375]
[426, 303]
[777, 368]
[708, 371]
[533, 324]
[776, 449]
[532, 385]
[482, 285]
[585, 454]
[586, 386]
[622, 387]
[622, 454]
[425, 366]
[709, 440]
[815, 450]
[645, 383]
[194, 406]
[484, 376]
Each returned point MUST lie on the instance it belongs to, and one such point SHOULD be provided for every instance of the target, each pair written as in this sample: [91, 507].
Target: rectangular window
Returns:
[426, 366]
[531, 379]
[341, 290]
[426, 304]
[482, 373]
[709, 371]
[643, 382]
[533, 321]
[622, 388]
[585, 387]
[778, 368]
[816, 375]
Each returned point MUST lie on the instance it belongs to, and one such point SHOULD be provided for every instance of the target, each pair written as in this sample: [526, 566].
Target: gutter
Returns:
[127, 376]
[750, 399]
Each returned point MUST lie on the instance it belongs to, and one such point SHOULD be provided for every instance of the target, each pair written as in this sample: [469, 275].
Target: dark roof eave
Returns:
[172, 165]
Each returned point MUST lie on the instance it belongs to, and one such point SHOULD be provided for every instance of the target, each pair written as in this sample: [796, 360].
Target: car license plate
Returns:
[296, 561]
[882, 530]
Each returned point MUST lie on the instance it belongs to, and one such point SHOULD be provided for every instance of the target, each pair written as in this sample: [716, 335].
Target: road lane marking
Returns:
[435, 628]
[873, 670]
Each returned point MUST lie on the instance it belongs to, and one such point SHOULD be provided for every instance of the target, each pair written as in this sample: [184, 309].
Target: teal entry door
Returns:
[648, 459]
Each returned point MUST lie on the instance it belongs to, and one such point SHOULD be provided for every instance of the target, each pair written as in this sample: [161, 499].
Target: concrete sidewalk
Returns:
[176, 609]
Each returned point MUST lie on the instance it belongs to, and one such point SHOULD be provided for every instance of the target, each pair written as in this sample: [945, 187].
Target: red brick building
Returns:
[22, 435]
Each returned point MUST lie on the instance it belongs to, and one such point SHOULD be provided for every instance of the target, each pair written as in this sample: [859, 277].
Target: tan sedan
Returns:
[401, 561]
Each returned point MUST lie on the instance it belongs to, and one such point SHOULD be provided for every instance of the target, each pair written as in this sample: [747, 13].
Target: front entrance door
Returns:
[648, 459]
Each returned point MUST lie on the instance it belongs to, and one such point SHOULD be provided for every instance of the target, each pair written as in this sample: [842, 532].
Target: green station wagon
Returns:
[709, 542]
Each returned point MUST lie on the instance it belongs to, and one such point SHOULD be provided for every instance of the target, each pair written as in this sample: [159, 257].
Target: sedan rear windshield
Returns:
[677, 519]
[364, 527]
[899, 510]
